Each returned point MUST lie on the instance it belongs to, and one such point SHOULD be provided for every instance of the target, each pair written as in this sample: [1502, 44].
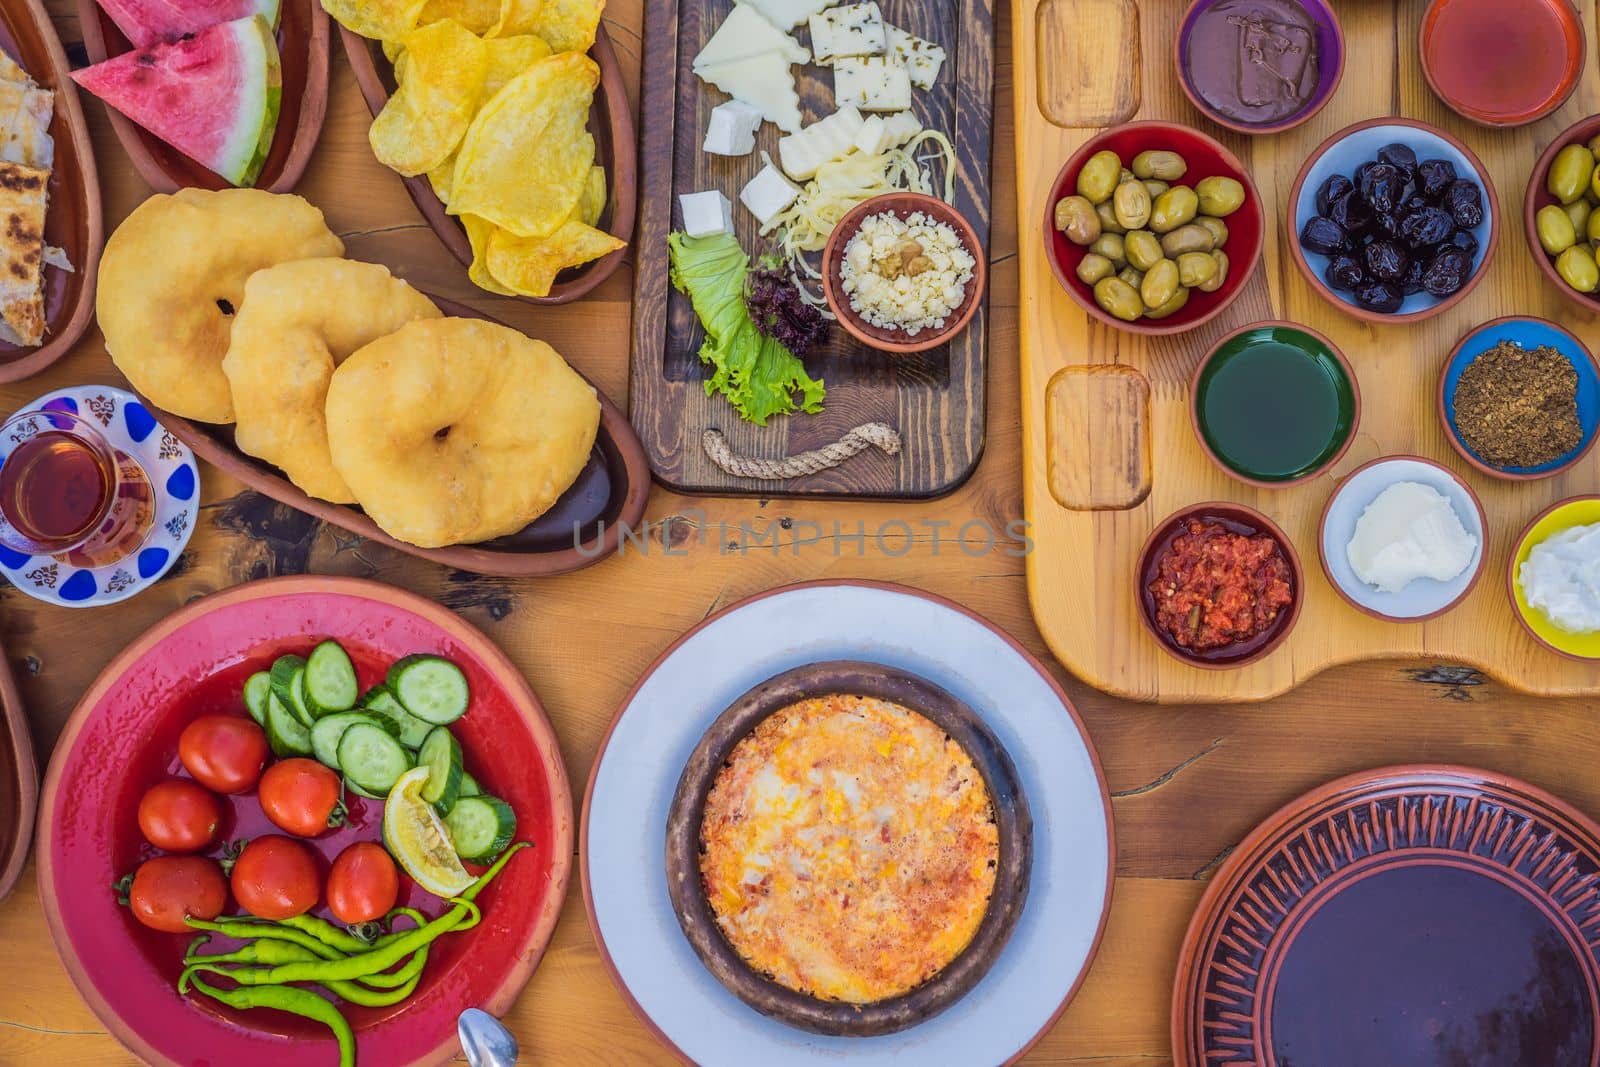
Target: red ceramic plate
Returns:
[1412, 915]
[123, 737]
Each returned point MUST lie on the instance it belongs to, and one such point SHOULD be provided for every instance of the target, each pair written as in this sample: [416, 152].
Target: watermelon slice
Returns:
[213, 96]
[150, 22]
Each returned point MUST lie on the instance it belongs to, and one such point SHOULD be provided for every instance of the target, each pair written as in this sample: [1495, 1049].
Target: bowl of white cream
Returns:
[1554, 578]
[1402, 539]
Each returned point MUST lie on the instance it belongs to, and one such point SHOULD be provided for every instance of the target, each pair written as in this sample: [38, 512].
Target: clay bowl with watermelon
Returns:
[72, 220]
[611, 123]
[210, 93]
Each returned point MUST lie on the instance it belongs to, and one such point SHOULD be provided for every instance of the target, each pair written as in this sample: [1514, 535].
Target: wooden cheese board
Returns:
[935, 399]
[1109, 450]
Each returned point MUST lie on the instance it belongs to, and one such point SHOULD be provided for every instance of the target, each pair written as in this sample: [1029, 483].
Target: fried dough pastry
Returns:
[172, 276]
[454, 431]
[298, 322]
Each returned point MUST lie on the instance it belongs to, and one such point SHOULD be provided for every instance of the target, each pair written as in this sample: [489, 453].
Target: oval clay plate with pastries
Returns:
[71, 201]
[302, 39]
[19, 781]
[867, 643]
[581, 529]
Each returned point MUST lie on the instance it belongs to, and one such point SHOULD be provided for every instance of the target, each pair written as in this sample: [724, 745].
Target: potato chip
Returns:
[479, 233]
[476, 16]
[592, 203]
[440, 178]
[516, 17]
[569, 25]
[525, 159]
[509, 57]
[429, 113]
[382, 20]
[393, 51]
[528, 266]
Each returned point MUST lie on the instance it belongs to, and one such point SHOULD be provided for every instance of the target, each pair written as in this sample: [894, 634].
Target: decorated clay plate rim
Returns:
[1221, 895]
[1044, 675]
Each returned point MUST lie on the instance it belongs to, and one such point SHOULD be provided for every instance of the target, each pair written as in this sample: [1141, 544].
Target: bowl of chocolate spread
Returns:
[1259, 66]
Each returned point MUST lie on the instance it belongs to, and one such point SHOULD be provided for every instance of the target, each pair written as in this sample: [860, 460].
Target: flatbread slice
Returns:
[22, 205]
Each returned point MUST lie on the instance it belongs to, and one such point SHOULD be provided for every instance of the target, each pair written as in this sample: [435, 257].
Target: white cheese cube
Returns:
[745, 33]
[828, 139]
[900, 128]
[922, 59]
[870, 139]
[852, 30]
[764, 82]
[787, 14]
[873, 83]
[706, 214]
[769, 194]
[732, 129]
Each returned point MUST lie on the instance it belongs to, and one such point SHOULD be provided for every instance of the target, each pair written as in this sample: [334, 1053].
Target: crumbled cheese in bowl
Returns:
[906, 274]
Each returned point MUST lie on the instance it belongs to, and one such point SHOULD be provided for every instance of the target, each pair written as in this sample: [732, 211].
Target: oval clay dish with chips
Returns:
[686, 844]
[611, 122]
[72, 219]
[580, 529]
[304, 38]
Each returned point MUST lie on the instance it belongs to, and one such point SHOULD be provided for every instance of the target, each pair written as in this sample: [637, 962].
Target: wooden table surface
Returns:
[1187, 783]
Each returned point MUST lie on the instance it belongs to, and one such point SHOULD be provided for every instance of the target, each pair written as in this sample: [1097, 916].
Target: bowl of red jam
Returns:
[1219, 585]
[1502, 62]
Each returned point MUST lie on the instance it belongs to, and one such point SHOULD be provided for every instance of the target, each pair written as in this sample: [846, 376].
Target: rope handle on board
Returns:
[877, 435]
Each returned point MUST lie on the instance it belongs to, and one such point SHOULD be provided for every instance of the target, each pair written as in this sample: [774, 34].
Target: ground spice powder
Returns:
[1517, 407]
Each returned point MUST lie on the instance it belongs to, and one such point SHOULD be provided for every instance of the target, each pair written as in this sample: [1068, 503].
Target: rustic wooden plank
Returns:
[936, 399]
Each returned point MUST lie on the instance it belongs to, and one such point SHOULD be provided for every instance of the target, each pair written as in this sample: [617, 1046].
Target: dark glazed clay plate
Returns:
[19, 781]
[72, 216]
[303, 43]
[616, 149]
[581, 529]
[1429, 916]
[688, 809]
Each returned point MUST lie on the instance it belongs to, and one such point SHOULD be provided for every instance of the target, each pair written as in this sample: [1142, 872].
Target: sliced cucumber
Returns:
[358, 791]
[469, 786]
[257, 688]
[379, 700]
[330, 680]
[286, 734]
[431, 688]
[480, 827]
[372, 759]
[283, 672]
[441, 754]
[297, 699]
[330, 728]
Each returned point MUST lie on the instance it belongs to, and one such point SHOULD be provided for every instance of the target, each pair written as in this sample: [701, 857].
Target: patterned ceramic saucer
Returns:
[130, 427]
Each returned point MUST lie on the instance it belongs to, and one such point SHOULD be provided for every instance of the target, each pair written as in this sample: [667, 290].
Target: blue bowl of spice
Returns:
[1520, 398]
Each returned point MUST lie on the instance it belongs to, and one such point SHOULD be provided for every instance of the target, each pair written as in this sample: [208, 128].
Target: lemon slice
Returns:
[418, 840]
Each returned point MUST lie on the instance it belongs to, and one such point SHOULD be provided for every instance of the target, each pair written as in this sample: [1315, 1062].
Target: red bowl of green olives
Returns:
[1561, 213]
[1153, 228]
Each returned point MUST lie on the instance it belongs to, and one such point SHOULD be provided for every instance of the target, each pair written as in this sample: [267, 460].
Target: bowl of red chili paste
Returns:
[1219, 585]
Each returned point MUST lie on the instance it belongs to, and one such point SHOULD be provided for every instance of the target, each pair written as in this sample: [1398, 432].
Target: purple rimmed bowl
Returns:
[1329, 39]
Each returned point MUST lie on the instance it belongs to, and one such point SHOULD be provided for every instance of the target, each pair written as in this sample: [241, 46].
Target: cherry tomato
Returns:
[300, 796]
[225, 753]
[179, 816]
[167, 888]
[363, 883]
[275, 877]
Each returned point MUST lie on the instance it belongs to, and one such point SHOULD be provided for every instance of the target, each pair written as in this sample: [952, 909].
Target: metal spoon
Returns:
[485, 1042]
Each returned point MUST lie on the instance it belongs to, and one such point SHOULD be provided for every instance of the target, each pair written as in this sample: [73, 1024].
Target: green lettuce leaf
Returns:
[757, 374]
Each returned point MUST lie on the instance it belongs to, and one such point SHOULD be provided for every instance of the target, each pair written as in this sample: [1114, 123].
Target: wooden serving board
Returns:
[935, 399]
[1108, 447]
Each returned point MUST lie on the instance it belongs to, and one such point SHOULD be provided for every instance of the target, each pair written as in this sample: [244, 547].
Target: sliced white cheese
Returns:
[900, 128]
[787, 14]
[765, 83]
[852, 30]
[705, 214]
[872, 83]
[732, 129]
[745, 33]
[922, 59]
[769, 194]
[869, 139]
[828, 139]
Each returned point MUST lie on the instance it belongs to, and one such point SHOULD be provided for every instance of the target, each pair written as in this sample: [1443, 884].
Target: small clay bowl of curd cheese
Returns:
[1554, 578]
[1402, 539]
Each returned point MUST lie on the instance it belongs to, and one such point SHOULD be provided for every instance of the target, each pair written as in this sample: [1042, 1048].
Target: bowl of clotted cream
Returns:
[1402, 539]
[1554, 578]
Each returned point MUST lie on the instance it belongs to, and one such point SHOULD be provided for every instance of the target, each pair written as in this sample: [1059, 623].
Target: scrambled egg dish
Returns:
[848, 848]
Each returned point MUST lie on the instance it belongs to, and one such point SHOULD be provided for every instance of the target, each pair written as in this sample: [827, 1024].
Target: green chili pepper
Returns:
[301, 1002]
[327, 933]
[408, 913]
[276, 953]
[251, 929]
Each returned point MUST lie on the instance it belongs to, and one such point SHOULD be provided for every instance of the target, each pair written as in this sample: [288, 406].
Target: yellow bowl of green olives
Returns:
[1561, 212]
[1153, 227]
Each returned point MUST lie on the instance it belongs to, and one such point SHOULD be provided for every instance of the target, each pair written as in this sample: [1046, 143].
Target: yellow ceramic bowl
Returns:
[1563, 515]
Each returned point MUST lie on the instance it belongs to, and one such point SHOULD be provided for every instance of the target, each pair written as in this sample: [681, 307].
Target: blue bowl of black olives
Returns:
[1393, 220]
